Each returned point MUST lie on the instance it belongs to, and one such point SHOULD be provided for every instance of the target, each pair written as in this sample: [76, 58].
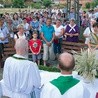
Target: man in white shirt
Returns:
[5, 31]
[65, 86]
[20, 76]
[2, 38]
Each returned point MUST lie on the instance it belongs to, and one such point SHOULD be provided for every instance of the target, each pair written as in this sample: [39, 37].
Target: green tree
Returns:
[94, 3]
[36, 5]
[88, 5]
[18, 3]
[47, 3]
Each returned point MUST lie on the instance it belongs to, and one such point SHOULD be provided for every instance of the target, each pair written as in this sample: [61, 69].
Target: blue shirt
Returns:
[35, 25]
[72, 15]
[48, 32]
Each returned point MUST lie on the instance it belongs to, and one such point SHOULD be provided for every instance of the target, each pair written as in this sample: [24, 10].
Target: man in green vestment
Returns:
[65, 86]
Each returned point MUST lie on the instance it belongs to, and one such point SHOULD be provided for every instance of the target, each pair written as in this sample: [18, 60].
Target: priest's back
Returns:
[50, 90]
[65, 86]
[20, 76]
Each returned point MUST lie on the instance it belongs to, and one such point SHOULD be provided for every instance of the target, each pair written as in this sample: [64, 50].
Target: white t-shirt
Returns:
[23, 36]
[26, 27]
[58, 30]
[96, 15]
[87, 32]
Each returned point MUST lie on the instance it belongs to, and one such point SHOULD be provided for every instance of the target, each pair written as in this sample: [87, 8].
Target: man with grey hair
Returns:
[20, 76]
[65, 86]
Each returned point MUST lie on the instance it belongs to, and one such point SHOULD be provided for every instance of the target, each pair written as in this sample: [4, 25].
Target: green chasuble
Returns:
[64, 83]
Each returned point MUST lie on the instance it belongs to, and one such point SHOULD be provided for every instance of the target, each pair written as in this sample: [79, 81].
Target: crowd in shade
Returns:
[44, 29]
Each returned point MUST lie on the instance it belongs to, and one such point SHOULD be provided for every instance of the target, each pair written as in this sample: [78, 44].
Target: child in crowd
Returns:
[35, 47]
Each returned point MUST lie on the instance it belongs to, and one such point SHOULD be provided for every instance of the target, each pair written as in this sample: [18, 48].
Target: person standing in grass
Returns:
[47, 35]
[35, 45]
[59, 31]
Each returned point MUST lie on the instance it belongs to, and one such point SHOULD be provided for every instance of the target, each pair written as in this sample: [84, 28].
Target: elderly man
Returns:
[65, 86]
[20, 76]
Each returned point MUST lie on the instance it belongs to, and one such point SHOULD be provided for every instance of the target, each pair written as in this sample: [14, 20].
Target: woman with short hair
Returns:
[72, 31]
[20, 33]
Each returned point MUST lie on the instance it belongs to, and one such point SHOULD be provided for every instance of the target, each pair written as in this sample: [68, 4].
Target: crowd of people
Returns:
[34, 30]
[51, 27]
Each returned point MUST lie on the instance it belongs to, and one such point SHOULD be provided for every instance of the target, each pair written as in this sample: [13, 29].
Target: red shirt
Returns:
[29, 19]
[35, 46]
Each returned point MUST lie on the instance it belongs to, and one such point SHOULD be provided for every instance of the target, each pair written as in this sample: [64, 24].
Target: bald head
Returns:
[66, 62]
[21, 46]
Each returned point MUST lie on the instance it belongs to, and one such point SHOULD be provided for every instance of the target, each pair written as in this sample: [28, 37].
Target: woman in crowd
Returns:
[87, 31]
[20, 33]
[93, 39]
[10, 27]
[72, 31]
[26, 28]
[59, 31]
[16, 22]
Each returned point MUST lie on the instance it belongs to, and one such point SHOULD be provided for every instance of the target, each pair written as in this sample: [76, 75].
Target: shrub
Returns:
[18, 3]
[8, 5]
[47, 3]
[36, 5]
[94, 3]
[50, 69]
[88, 5]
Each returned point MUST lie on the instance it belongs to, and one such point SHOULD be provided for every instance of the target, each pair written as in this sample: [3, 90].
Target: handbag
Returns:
[97, 95]
[56, 41]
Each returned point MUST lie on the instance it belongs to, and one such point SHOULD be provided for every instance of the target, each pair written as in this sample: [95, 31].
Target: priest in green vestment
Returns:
[65, 86]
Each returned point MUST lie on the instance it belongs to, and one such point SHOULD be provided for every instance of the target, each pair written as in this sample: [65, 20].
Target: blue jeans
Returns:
[57, 46]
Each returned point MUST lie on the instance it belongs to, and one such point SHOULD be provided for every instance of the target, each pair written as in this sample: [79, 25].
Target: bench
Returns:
[9, 50]
[65, 47]
[72, 46]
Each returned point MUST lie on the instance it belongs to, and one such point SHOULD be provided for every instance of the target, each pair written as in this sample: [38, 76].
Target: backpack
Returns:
[18, 35]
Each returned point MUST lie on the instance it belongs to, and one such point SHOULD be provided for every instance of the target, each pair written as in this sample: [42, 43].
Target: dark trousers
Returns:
[57, 46]
[1, 52]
